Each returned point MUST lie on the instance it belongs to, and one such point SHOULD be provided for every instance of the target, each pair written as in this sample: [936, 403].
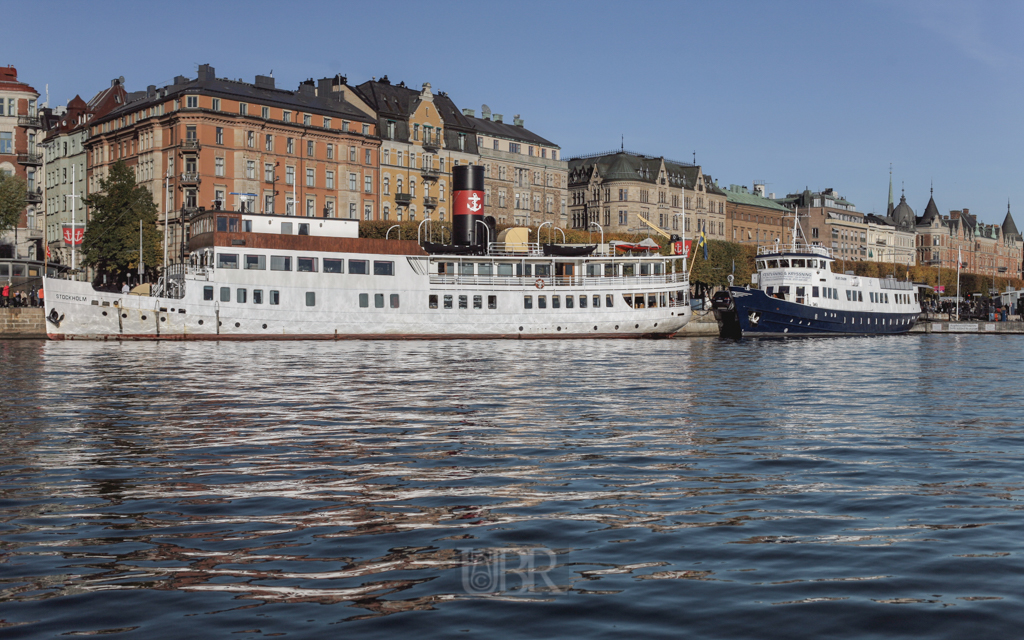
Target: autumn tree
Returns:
[111, 243]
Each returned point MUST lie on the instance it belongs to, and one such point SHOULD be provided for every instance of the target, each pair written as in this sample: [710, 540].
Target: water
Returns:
[849, 488]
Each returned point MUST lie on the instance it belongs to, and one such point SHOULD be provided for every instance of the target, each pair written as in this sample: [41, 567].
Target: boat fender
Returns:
[540, 283]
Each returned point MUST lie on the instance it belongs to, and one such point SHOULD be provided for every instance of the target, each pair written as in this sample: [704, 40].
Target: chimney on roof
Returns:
[517, 120]
[759, 188]
[307, 88]
[264, 82]
[469, 113]
[485, 112]
[325, 89]
[180, 79]
[206, 72]
[151, 91]
[498, 117]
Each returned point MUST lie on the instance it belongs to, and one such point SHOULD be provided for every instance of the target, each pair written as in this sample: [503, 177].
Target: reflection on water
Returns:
[529, 489]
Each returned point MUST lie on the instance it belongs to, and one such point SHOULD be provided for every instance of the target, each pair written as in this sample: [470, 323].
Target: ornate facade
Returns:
[224, 144]
[20, 135]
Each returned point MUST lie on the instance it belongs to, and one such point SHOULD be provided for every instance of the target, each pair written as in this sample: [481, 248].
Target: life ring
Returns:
[539, 284]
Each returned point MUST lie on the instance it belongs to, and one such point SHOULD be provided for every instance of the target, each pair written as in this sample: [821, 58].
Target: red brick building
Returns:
[216, 143]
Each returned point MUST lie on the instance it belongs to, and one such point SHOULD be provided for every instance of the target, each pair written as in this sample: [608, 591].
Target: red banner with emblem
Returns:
[73, 236]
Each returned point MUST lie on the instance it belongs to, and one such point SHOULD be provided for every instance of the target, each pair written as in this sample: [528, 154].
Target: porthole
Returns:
[237, 325]
[200, 322]
[264, 326]
[655, 324]
[520, 328]
[163, 319]
[220, 323]
[104, 313]
[616, 327]
[559, 328]
[143, 317]
[595, 327]
[124, 315]
[636, 326]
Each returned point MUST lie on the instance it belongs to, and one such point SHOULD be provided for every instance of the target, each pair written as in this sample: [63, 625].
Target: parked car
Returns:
[721, 300]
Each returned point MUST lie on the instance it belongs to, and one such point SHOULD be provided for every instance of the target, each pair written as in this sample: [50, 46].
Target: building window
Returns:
[330, 179]
[366, 129]
[329, 209]
[192, 102]
[216, 104]
[368, 183]
[352, 182]
[289, 175]
[351, 154]
[344, 125]
[367, 211]
[243, 109]
[268, 143]
[218, 167]
[310, 177]
[220, 135]
[309, 148]
[250, 139]
[286, 116]
[310, 207]
[291, 145]
[307, 119]
[327, 123]
[265, 111]
[330, 152]
[387, 186]
[268, 172]
[250, 169]
[368, 157]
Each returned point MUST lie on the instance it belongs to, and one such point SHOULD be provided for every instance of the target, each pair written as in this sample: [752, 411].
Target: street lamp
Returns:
[599, 227]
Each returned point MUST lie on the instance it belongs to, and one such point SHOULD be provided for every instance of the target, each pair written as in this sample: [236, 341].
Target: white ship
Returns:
[255, 276]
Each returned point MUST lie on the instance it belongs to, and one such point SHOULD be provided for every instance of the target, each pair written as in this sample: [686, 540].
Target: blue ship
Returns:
[796, 293]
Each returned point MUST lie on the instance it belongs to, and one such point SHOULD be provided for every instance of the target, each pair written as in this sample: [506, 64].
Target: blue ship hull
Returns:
[756, 314]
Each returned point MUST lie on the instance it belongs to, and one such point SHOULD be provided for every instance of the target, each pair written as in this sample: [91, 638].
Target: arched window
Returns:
[400, 185]
[387, 186]
[412, 187]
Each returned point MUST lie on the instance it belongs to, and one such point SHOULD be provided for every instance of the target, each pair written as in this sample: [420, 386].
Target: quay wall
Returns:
[702, 323]
[22, 323]
[968, 326]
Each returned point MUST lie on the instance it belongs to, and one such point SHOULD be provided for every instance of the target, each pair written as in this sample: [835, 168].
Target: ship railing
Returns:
[814, 249]
[583, 282]
[533, 249]
[893, 283]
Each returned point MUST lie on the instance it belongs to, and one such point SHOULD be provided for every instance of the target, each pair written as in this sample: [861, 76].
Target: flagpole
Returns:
[958, 260]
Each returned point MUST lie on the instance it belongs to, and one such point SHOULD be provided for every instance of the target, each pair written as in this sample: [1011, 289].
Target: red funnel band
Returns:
[469, 203]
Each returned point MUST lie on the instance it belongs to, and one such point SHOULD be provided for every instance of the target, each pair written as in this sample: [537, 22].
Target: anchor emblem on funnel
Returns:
[474, 200]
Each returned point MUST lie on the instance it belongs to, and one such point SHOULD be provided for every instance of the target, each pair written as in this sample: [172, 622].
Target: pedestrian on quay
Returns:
[32, 300]
[124, 288]
[5, 296]
[39, 297]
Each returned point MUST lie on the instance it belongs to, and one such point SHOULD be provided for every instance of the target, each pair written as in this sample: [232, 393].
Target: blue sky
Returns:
[797, 94]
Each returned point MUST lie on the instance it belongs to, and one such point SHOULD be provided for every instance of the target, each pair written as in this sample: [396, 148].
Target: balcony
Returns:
[190, 144]
[190, 177]
[403, 198]
[431, 174]
[35, 159]
[29, 121]
[431, 144]
[34, 196]
[429, 202]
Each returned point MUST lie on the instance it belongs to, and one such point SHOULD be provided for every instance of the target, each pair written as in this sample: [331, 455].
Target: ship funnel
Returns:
[468, 192]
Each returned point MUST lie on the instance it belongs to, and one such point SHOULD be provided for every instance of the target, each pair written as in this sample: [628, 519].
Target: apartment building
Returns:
[227, 144]
[20, 134]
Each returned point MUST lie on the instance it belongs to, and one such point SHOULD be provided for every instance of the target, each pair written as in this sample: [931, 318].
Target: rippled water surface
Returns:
[852, 488]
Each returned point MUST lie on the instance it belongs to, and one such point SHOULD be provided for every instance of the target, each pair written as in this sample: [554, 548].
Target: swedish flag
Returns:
[702, 240]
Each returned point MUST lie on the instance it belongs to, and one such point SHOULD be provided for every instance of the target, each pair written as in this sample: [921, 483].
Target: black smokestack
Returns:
[468, 190]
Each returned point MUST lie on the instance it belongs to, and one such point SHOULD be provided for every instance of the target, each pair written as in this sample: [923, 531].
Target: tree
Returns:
[111, 243]
[12, 201]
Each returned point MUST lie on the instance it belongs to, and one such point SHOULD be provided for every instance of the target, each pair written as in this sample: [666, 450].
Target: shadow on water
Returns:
[840, 487]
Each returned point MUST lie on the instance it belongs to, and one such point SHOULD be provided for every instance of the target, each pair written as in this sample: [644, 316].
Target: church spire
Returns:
[889, 209]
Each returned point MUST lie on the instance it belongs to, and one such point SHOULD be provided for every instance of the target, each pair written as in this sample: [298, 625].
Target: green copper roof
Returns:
[738, 194]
